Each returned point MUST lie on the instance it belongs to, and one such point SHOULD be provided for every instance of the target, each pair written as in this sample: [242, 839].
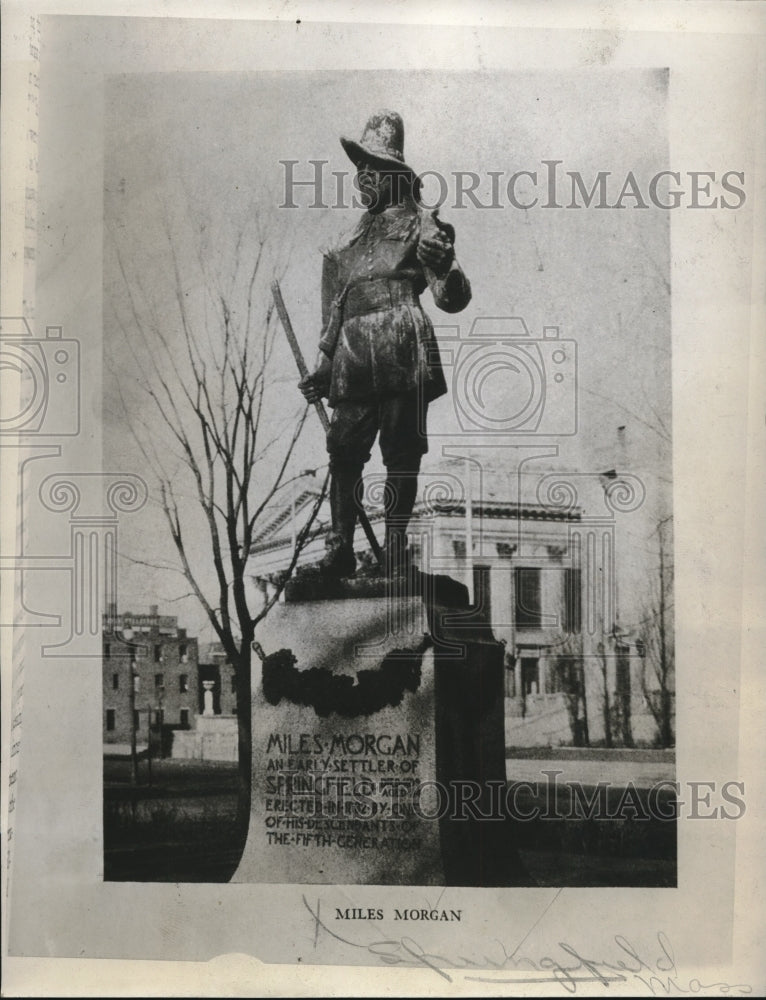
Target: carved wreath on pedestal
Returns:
[366, 692]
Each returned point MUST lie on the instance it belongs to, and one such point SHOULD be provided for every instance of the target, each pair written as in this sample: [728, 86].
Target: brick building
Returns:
[150, 676]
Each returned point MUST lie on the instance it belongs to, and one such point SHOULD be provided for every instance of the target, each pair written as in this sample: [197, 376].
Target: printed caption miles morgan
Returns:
[377, 913]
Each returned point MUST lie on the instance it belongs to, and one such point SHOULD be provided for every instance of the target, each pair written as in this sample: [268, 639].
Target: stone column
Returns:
[208, 698]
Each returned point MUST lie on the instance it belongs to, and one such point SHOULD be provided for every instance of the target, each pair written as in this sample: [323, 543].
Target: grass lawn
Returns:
[180, 828]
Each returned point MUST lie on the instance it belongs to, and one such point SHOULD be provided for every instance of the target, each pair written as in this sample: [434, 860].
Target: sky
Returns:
[192, 163]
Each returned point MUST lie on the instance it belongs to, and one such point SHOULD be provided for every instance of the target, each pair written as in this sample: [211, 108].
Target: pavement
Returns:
[641, 768]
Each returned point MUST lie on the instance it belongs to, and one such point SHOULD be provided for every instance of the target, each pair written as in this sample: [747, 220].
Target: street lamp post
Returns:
[149, 743]
[133, 735]
[127, 634]
[160, 715]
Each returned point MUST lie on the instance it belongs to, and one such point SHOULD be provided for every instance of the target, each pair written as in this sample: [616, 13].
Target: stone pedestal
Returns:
[337, 797]
[207, 709]
[349, 788]
[214, 737]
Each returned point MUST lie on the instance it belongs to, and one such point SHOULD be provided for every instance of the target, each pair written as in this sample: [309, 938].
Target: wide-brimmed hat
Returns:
[381, 145]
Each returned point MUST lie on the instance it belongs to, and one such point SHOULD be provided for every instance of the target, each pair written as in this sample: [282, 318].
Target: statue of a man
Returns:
[379, 361]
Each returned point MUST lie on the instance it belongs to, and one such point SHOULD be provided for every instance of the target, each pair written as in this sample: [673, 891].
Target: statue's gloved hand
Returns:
[436, 252]
[317, 384]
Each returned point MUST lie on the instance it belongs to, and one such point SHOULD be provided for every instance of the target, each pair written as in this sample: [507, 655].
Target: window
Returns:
[159, 680]
[529, 678]
[136, 719]
[183, 683]
[107, 650]
[458, 548]
[115, 682]
[568, 676]
[528, 603]
[572, 600]
[185, 718]
[158, 654]
[183, 652]
[110, 720]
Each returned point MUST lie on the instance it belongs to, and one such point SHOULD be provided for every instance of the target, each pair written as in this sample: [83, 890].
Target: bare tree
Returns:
[658, 648]
[202, 339]
[606, 701]
[570, 680]
[623, 709]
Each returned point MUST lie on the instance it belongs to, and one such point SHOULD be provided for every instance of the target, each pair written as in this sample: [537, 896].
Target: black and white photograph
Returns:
[380, 583]
[483, 604]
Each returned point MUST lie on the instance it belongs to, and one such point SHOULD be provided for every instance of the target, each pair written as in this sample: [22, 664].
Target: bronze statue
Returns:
[379, 360]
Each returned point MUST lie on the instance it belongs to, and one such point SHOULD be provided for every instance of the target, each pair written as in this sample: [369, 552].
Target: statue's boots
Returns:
[339, 560]
[401, 490]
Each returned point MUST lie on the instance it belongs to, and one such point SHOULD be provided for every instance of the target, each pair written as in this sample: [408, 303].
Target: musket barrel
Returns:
[279, 302]
[292, 340]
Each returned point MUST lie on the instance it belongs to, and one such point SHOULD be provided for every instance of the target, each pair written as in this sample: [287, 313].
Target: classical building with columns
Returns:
[546, 575]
